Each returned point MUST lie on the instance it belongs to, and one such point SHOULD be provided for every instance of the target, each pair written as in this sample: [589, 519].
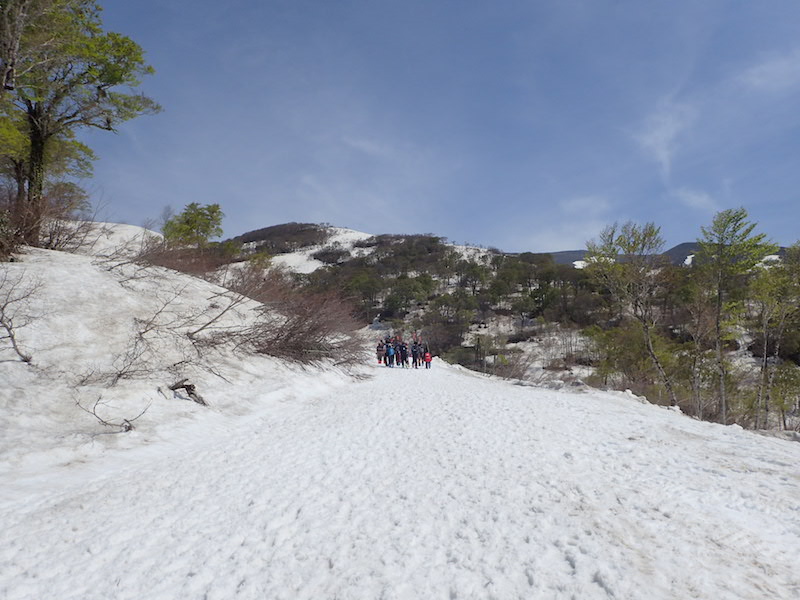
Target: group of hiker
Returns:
[394, 351]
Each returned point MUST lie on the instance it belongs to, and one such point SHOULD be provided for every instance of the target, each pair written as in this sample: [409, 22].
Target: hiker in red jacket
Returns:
[427, 358]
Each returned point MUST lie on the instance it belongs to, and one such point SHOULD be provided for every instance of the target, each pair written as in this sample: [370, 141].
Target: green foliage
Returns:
[473, 275]
[259, 260]
[13, 140]
[448, 318]
[395, 255]
[194, 226]
[729, 248]
[621, 361]
[405, 290]
[786, 390]
[728, 251]
[69, 73]
[627, 260]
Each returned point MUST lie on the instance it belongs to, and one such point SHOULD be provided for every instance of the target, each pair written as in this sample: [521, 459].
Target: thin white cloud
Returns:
[369, 147]
[661, 130]
[774, 74]
[578, 219]
[696, 200]
[583, 206]
[570, 235]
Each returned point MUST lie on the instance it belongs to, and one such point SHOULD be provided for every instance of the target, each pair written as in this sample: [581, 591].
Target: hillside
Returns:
[306, 238]
[306, 483]
[543, 317]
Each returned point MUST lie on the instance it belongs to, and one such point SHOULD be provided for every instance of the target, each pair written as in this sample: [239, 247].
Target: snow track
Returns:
[423, 484]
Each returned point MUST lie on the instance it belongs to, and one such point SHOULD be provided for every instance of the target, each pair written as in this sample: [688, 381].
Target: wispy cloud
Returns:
[696, 200]
[774, 74]
[577, 220]
[372, 148]
[661, 130]
[585, 206]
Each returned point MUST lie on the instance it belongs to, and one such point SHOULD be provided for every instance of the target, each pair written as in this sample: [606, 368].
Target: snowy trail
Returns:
[432, 484]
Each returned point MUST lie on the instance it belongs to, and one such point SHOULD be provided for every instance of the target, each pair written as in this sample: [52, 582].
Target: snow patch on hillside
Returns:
[301, 261]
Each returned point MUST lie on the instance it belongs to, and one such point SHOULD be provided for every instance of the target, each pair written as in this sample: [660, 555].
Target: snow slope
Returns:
[301, 261]
[407, 484]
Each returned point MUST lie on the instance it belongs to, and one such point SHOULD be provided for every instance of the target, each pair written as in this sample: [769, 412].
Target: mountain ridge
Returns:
[289, 237]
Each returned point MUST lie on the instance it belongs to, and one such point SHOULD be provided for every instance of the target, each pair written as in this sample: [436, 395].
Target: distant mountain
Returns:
[676, 255]
[679, 254]
[294, 237]
[567, 257]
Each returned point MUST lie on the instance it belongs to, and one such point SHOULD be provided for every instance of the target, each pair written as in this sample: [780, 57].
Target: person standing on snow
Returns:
[404, 354]
[390, 356]
[380, 352]
[428, 358]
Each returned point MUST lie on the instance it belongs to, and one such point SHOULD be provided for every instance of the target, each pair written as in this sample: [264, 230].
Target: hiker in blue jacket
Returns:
[390, 355]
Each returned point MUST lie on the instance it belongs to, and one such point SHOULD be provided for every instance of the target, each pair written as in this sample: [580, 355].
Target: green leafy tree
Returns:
[67, 159]
[473, 275]
[727, 252]
[447, 319]
[14, 152]
[194, 226]
[628, 261]
[786, 390]
[80, 77]
[774, 301]
[364, 287]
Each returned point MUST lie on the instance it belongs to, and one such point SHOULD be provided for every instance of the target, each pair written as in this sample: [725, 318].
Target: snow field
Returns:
[423, 484]
[302, 483]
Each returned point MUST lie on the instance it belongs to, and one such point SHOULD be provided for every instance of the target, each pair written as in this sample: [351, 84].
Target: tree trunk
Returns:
[651, 351]
[34, 211]
[696, 395]
[723, 403]
[19, 206]
[771, 369]
[764, 366]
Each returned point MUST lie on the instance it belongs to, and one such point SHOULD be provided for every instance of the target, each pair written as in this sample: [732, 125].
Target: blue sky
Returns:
[524, 125]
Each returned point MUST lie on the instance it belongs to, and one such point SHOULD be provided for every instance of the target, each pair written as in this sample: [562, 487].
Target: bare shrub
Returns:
[192, 261]
[140, 358]
[131, 260]
[71, 235]
[290, 322]
[122, 425]
[16, 295]
[304, 327]
[512, 365]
